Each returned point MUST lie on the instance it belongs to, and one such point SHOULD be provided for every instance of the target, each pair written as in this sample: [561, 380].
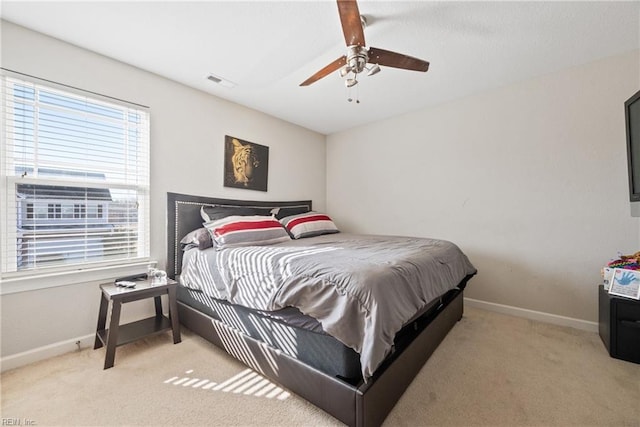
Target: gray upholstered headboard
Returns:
[183, 216]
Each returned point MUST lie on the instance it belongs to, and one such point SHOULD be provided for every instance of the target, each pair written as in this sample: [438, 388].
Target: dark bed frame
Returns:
[362, 404]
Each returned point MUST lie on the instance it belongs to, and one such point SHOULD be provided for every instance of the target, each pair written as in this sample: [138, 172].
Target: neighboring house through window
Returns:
[75, 179]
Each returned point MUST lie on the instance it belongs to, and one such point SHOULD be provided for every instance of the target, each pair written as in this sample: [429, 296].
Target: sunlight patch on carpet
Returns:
[247, 382]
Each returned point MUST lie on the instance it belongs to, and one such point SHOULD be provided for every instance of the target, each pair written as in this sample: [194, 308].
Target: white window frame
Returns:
[12, 280]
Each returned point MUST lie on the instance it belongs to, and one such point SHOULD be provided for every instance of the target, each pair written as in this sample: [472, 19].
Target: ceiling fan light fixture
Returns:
[345, 70]
[374, 70]
[351, 82]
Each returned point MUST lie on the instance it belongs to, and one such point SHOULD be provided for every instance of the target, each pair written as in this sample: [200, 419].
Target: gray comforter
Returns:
[361, 288]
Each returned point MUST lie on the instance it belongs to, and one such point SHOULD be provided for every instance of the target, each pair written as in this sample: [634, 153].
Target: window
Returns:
[75, 179]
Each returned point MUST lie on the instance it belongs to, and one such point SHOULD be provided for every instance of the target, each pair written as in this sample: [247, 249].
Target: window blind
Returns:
[75, 174]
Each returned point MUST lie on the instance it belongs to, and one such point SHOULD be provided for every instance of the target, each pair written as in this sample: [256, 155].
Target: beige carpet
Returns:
[490, 370]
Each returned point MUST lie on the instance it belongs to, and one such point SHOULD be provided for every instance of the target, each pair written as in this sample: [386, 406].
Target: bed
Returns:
[351, 353]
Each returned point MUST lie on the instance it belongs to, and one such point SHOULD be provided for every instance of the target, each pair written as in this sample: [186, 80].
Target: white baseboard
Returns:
[540, 316]
[45, 352]
[62, 347]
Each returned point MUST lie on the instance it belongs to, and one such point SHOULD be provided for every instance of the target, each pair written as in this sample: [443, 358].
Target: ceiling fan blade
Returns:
[351, 24]
[335, 65]
[396, 60]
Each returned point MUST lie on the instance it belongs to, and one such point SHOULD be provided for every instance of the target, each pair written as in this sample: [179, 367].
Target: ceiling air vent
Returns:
[219, 80]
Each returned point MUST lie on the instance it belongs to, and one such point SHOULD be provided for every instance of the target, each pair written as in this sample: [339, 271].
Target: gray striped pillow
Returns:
[308, 225]
[246, 231]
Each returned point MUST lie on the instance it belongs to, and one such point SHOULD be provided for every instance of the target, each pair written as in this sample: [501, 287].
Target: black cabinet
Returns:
[619, 325]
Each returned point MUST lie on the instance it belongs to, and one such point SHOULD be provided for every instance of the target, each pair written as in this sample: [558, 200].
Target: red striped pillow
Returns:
[246, 231]
[308, 225]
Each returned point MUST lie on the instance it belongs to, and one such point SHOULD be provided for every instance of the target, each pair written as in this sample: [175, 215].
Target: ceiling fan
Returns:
[358, 55]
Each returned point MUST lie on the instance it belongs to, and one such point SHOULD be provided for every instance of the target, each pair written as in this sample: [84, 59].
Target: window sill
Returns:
[51, 280]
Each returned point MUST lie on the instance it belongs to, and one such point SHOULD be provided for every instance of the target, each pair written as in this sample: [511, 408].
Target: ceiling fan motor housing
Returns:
[357, 57]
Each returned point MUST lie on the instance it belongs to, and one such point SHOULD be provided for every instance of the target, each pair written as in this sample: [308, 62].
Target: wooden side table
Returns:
[117, 334]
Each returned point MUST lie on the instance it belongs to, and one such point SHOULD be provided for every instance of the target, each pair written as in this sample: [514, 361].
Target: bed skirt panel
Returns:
[377, 398]
[330, 394]
[365, 404]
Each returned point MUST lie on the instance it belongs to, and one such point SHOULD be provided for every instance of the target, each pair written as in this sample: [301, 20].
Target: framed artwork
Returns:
[246, 164]
[625, 283]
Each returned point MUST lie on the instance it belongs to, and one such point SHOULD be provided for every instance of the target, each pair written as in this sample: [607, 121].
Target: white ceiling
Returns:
[268, 48]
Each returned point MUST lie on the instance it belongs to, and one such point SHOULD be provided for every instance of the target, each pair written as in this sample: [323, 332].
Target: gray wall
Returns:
[187, 140]
[530, 180]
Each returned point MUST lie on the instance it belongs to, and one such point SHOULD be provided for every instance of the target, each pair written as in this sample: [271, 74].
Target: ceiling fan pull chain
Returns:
[349, 98]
